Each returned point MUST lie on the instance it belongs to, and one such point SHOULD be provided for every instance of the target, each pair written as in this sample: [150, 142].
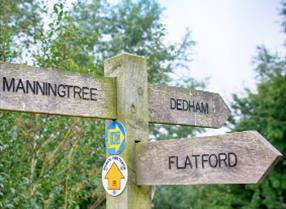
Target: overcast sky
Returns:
[226, 33]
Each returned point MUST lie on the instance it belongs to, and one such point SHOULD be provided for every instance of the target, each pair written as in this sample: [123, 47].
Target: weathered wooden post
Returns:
[132, 110]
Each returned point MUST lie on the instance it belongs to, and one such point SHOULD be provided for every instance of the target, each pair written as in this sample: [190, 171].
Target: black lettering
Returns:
[37, 87]
[30, 86]
[172, 103]
[179, 104]
[179, 167]
[171, 161]
[77, 91]
[196, 160]
[20, 86]
[204, 108]
[213, 162]
[61, 90]
[188, 162]
[8, 86]
[68, 90]
[198, 107]
[191, 106]
[233, 162]
[222, 157]
[185, 105]
[92, 93]
[52, 89]
[45, 88]
[84, 93]
[204, 160]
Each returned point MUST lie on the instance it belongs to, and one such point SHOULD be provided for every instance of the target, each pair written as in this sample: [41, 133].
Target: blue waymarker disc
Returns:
[115, 138]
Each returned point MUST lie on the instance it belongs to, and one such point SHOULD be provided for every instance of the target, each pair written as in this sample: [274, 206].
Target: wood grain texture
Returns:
[103, 107]
[255, 158]
[161, 112]
[132, 110]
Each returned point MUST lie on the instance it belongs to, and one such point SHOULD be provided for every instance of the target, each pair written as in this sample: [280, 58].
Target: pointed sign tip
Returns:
[275, 161]
[277, 153]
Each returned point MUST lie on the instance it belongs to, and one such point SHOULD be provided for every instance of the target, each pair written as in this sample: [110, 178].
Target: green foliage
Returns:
[49, 161]
[134, 27]
[173, 197]
[65, 46]
[55, 161]
[19, 20]
[264, 111]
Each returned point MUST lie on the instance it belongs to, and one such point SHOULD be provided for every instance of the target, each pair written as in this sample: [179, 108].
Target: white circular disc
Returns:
[114, 175]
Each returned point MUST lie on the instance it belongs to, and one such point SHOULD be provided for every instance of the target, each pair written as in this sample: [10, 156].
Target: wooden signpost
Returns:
[125, 95]
[30, 89]
[50, 91]
[173, 105]
[235, 158]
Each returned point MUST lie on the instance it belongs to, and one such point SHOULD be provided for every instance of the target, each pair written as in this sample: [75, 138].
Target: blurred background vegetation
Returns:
[55, 162]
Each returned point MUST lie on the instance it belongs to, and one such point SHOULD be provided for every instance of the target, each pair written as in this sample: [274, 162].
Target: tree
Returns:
[19, 19]
[264, 111]
[133, 27]
[55, 161]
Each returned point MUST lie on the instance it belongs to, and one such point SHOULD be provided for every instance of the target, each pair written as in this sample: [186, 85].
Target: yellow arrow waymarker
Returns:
[113, 177]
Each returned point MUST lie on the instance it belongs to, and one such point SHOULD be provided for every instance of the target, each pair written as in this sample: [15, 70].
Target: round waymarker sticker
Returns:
[115, 138]
[114, 175]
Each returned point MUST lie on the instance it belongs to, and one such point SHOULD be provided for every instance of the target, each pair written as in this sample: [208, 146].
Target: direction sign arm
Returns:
[185, 106]
[44, 90]
[234, 158]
